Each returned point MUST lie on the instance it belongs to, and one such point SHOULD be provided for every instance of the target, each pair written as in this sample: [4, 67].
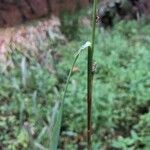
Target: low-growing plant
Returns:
[31, 93]
[70, 25]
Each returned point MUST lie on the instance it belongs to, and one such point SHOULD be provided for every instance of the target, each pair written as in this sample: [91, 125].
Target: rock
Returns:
[13, 12]
[10, 15]
[121, 9]
[31, 9]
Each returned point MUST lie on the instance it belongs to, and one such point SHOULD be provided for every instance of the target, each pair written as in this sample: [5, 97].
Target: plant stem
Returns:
[89, 98]
[93, 27]
[90, 81]
[56, 130]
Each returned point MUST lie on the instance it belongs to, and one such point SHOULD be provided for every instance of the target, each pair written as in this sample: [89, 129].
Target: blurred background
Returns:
[38, 40]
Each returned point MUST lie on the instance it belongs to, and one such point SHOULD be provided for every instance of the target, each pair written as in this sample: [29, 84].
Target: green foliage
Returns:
[27, 97]
[121, 88]
[30, 94]
[70, 25]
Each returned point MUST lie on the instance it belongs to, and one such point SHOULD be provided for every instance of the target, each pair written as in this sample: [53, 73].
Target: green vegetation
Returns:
[30, 93]
[121, 88]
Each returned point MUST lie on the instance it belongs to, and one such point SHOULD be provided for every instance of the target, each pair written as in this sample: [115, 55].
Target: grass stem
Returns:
[90, 80]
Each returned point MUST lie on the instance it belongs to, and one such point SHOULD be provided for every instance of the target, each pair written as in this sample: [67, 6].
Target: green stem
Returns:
[68, 79]
[89, 98]
[56, 131]
[90, 81]
[86, 45]
[93, 26]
